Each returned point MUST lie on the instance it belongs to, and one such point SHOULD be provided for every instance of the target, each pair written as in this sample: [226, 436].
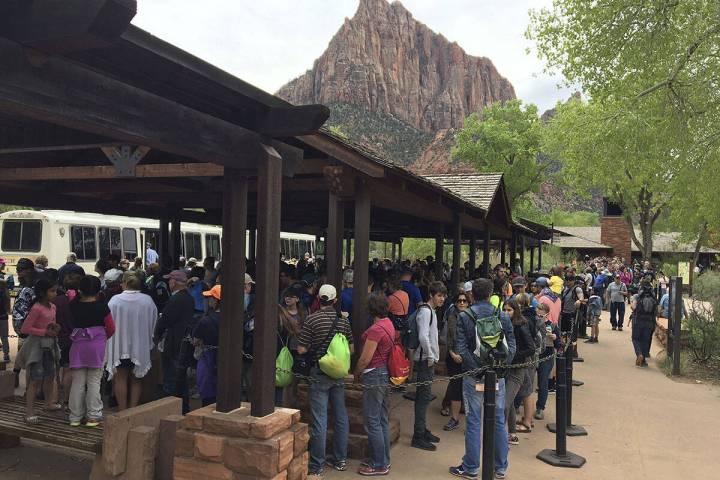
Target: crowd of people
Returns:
[82, 331]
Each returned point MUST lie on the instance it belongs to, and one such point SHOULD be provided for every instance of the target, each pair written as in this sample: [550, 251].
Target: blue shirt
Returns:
[196, 293]
[465, 341]
[414, 293]
[665, 305]
[346, 300]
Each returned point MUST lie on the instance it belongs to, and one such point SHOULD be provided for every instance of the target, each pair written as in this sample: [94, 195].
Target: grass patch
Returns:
[708, 372]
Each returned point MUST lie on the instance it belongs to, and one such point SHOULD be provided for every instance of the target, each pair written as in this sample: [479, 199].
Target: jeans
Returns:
[171, 378]
[85, 400]
[642, 337]
[617, 314]
[5, 346]
[322, 389]
[473, 430]
[543, 374]
[376, 414]
[513, 383]
[423, 396]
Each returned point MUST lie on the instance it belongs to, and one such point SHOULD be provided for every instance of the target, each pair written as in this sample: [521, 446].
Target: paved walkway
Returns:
[642, 425]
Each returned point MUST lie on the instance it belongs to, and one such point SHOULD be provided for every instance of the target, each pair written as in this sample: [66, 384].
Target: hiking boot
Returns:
[614, 328]
[639, 361]
[451, 425]
[430, 437]
[539, 414]
[422, 444]
[460, 472]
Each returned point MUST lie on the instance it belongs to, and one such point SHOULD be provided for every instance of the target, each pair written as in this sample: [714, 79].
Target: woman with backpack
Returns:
[291, 316]
[517, 376]
[453, 393]
[372, 369]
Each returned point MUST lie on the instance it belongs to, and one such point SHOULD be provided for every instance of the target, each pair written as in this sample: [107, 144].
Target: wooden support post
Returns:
[400, 257]
[252, 246]
[472, 264]
[532, 260]
[457, 251]
[502, 252]
[439, 252]
[334, 240]
[164, 247]
[348, 251]
[522, 255]
[230, 358]
[175, 243]
[269, 199]
[394, 251]
[362, 257]
[540, 256]
[486, 254]
[513, 251]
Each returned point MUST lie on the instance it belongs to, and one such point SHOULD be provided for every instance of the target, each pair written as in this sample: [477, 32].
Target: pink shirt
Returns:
[554, 308]
[38, 320]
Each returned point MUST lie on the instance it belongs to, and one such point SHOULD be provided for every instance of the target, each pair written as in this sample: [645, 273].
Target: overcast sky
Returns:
[270, 42]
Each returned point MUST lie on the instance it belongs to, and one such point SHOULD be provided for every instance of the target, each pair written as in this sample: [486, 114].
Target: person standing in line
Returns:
[4, 315]
[617, 291]
[151, 256]
[315, 337]
[645, 311]
[453, 393]
[70, 266]
[371, 369]
[473, 394]
[551, 343]
[206, 337]
[425, 358]
[411, 289]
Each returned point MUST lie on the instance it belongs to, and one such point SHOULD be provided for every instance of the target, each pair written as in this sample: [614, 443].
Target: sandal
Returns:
[522, 428]
[32, 420]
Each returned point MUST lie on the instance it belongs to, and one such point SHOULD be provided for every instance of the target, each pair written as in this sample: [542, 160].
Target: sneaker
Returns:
[459, 472]
[639, 360]
[539, 414]
[513, 439]
[366, 463]
[551, 391]
[339, 465]
[451, 425]
[590, 340]
[430, 437]
[614, 328]
[368, 471]
[619, 329]
[644, 364]
[500, 475]
[74, 424]
[422, 444]
[92, 423]
[315, 473]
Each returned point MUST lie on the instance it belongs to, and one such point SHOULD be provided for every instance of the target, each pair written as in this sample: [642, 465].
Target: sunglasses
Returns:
[462, 300]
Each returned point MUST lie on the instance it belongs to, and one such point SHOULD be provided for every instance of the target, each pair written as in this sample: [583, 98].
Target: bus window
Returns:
[109, 242]
[83, 242]
[212, 246]
[21, 235]
[129, 243]
[193, 245]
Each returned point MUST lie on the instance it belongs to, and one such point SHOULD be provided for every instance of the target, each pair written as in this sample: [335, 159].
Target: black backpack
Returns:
[646, 307]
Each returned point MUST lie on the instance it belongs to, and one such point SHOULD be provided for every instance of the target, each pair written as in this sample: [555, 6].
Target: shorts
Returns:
[528, 382]
[593, 320]
[43, 369]
[126, 363]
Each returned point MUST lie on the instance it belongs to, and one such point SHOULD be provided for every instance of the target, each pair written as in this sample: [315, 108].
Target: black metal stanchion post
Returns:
[488, 433]
[560, 456]
[571, 430]
[574, 356]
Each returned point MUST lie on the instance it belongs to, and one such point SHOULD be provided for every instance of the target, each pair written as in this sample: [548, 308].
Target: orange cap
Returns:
[213, 292]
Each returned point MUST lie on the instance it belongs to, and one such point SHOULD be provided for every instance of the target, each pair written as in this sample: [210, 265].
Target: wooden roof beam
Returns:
[99, 172]
[344, 154]
[290, 121]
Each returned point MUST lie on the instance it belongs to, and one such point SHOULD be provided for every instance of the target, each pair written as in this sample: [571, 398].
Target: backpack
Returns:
[411, 340]
[398, 365]
[400, 322]
[284, 367]
[489, 337]
[335, 363]
[646, 309]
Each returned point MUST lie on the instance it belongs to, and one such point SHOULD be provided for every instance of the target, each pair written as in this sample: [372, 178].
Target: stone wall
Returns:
[237, 446]
[615, 233]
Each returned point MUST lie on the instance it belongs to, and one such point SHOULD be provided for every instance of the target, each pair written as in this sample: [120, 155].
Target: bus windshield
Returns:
[21, 235]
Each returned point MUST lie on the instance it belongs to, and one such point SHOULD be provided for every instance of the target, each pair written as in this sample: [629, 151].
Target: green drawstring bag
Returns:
[336, 362]
[283, 368]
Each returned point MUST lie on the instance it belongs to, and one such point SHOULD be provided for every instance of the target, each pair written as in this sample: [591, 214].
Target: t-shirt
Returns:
[383, 333]
[414, 294]
[616, 292]
[88, 314]
[346, 300]
[314, 334]
[398, 303]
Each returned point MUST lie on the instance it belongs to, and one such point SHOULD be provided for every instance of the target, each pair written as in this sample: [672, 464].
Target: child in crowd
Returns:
[93, 326]
[40, 354]
[595, 305]
[552, 343]
[556, 281]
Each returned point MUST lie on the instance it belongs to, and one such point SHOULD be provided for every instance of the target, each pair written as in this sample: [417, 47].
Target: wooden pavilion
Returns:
[97, 115]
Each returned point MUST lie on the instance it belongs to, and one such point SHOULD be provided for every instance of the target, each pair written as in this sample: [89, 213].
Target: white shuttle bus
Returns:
[55, 233]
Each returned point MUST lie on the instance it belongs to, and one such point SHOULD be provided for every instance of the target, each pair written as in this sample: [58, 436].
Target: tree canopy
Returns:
[505, 139]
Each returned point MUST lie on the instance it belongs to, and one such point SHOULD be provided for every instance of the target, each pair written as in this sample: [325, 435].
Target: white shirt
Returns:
[135, 316]
[151, 256]
[427, 335]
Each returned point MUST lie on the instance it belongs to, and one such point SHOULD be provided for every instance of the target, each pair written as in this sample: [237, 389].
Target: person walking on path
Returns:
[645, 312]
[315, 336]
[617, 291]
[466, 345]
[372, 369]
[425, 357]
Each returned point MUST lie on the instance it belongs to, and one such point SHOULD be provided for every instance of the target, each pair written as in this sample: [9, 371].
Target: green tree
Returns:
[506, 139]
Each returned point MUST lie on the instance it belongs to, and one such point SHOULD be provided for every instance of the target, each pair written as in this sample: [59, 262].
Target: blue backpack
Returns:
[411, 340]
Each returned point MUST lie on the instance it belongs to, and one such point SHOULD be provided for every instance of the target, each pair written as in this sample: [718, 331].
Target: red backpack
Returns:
[398, 366]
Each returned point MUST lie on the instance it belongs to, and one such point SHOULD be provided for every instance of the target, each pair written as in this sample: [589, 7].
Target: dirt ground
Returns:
[642, 426]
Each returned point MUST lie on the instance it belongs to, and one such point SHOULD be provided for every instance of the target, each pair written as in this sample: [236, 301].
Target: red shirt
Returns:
[383, 333]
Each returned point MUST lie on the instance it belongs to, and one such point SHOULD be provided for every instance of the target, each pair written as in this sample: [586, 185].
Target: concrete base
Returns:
[577, 383]
[578, 359]
[569, 460]
[570, 430]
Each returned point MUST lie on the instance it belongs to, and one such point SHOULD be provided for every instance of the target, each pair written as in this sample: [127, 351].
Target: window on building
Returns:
[83, 242]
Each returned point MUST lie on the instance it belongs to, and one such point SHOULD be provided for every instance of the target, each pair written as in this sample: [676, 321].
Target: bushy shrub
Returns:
[704, 330]
[706, 287]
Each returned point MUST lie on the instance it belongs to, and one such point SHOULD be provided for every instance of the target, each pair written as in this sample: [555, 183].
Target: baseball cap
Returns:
[177, 275]
[467, 286]
[348, 275]
[248, 279]
[113, 275]
[327, 292]
[213, 292]
[542, 282]
[192, 260]
[519, 282]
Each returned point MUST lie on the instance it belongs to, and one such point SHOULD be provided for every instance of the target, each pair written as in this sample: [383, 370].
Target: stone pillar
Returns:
[236, 445]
